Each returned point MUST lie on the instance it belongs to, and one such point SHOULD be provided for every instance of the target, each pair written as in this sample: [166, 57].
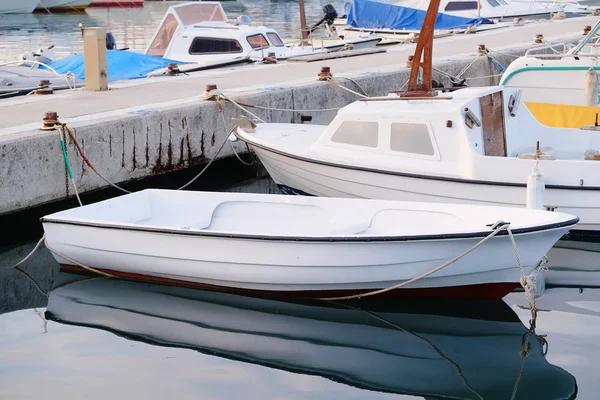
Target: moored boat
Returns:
[304, 245]
[429, 348]
[18, 7]
[200, 32]
[474, 146]
[560, 89]
[62, 5]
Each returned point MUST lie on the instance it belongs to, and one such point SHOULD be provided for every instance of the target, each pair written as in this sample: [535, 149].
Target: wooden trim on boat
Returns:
[323, 239]
[406, 174]
[480, 291]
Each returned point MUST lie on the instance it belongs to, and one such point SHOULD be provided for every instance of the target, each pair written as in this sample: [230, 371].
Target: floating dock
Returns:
[152, 126]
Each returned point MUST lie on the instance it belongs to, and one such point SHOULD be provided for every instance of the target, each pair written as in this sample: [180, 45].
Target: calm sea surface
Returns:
[133, 27]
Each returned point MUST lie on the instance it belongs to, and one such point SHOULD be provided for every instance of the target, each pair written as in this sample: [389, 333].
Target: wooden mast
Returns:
[423, 54]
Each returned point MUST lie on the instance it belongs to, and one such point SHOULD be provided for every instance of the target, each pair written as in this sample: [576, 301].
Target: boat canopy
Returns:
[180, 16]
[121, 65]
[375, 15]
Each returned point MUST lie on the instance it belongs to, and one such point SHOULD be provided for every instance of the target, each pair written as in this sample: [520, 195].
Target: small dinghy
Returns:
[303, 245]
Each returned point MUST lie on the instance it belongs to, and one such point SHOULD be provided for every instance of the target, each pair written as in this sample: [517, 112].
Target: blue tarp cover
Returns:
[121, 65]
[374, 15]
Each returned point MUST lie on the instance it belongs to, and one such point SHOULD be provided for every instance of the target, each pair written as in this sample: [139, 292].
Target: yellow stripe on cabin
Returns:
[563, 115]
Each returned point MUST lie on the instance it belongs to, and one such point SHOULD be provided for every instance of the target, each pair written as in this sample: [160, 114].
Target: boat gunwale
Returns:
[247, 139]
[322, 239]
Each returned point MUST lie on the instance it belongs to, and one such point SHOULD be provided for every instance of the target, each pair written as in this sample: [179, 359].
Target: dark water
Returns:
[134, 27]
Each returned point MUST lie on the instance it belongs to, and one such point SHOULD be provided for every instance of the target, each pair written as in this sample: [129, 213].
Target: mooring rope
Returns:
[75, 262]
[28, 256]
[496, 228]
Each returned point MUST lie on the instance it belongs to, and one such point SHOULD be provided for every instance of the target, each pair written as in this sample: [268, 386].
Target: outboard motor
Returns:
[111, 43]
[330, 16]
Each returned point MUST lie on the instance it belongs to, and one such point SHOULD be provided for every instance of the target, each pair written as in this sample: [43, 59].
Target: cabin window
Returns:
[200, 12]
[461, 5]
[257, 41]
[275, 39]
[160, 44]
[411, 138]
[357, 133]
[214, 46]
[493, 3]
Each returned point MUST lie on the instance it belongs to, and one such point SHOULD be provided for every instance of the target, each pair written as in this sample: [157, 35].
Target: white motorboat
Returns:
[18, 6]
[26, 76]
[427, 348]
[475, 146]
[401, 22]
[560, 89]
[200, 32]
[498, 9]
[303, 245]
[62, 5]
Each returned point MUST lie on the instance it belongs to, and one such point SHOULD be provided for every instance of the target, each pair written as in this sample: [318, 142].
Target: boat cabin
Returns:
[461, 134]
[200, 31]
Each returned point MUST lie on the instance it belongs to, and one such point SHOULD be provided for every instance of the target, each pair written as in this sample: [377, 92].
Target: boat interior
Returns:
[283, 216]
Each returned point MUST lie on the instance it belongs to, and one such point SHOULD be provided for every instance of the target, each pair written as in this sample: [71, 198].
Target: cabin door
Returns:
[492, 124]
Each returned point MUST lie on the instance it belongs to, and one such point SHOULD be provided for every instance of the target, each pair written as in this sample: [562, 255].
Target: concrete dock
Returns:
[152, 126]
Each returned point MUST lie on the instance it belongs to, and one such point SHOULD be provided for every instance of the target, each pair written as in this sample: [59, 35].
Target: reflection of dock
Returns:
[433, 348]
[574, 263]
[157, 125]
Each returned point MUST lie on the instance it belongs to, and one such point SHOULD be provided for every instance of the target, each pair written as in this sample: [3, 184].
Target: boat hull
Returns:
[295, 175]
[316, 268]
[17, 7]
[63, 5]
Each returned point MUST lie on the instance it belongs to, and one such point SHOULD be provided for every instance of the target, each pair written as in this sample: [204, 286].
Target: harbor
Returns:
[140, 128]
[232, 205]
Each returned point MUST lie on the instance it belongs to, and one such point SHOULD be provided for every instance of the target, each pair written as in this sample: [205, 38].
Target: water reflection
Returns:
[28, 285]
[428, 348]
[574, 262]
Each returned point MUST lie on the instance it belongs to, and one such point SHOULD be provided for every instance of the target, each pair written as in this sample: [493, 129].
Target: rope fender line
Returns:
[496, 228]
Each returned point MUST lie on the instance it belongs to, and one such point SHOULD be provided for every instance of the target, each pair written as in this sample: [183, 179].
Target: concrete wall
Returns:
[142, 144]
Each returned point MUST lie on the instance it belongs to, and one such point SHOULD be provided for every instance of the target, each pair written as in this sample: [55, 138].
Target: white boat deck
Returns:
[299, 216]
[80, 107]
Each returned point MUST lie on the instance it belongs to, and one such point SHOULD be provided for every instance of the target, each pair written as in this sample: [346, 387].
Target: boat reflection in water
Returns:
[431, 348]
[574, 262]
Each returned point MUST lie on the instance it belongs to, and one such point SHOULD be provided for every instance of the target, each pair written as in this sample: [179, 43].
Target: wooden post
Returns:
[94, 58]
[303, 27]
[423, 56]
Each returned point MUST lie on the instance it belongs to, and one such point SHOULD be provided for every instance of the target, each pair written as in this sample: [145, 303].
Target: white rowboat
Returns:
[303, 245]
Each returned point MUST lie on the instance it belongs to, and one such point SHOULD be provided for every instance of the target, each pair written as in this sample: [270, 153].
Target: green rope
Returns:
[66, 158]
